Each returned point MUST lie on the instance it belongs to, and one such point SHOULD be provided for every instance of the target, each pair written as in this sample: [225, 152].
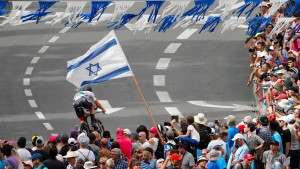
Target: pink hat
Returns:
[52, 138]
[120, 133]
[153, 130]
[282, 96]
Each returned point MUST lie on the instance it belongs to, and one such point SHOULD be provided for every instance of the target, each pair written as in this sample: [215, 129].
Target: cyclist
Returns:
[86, 99]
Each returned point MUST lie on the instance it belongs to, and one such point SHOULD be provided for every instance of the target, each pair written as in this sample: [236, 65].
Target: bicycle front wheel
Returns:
[84, 128]
[100, 126]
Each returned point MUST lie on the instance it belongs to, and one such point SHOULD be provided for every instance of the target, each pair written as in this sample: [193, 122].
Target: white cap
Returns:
[290, 117]
[127, 131]
[271, 48]
[230, 118]
[71, 141]
[237, 136]
[283, 118]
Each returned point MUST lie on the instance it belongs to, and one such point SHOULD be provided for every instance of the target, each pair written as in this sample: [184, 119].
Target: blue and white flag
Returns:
[102, 62]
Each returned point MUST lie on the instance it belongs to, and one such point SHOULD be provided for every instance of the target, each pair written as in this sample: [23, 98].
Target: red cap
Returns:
[176, 156]
[241, 127]
[283, 96]
[120, 133]
[153, 130]
[248, 157]
[52, 138]
[271, 117]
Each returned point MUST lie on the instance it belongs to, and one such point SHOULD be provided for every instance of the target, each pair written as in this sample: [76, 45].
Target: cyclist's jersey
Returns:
[90, 96]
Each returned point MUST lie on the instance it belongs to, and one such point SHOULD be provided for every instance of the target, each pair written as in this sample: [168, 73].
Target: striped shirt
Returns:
[254, 141]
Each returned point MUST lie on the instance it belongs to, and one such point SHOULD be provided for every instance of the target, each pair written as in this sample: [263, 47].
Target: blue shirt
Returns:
[231, 133]
[3, 163]
[276, 137]
[146, 165]
[221, 163]
[121, 164]
[212, 165]
[240, 153]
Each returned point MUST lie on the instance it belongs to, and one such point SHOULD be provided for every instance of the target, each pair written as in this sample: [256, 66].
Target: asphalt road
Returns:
[210, 67]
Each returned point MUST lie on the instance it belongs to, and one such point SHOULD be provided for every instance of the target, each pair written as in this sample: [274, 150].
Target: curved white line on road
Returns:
[32, 103]
[159, 80]
[64, 30]
[173, 111]
[53, 39]
[163, 63]
[35, 60]
[29, 70]
[163, 96]
[40, 115]
[48, 126]
[26, 81]
[28, 92]
[172, 48]
[186, 34]
[43, 49]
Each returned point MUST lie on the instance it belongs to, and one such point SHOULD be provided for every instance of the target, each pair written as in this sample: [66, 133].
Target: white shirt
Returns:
[194, 133]
[85, 153]
[24, 154]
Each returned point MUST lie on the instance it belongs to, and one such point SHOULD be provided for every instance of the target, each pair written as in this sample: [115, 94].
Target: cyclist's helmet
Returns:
[88, 88]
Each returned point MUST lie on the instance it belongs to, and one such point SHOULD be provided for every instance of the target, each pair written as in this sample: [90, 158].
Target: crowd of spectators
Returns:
[267, 140]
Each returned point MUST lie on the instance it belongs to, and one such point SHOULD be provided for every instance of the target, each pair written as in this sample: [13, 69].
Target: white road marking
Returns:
[64, 30]
[105, 104]
[32, 103]
[26, 81]
[43, 49]
[40, 115]
[186, 34]
[35, 60]
[48, 126]
[163, 96]
[172, 48]
[29, 70]
[28, 92]
[163, 63]
[53, 39]
[159, 80]
[173, 111]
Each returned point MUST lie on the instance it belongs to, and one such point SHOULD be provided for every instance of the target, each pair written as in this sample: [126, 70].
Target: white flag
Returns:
[102, 62]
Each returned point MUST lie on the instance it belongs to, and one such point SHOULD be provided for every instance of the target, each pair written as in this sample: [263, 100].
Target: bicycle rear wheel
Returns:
[84, 128]
[100, 126]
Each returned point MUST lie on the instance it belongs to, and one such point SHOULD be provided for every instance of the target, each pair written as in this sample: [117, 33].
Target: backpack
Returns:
[85, 158]
[159, 153]
[204, 139]
[95, 153]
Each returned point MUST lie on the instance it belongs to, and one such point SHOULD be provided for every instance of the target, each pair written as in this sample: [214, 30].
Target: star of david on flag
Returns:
[102, 62]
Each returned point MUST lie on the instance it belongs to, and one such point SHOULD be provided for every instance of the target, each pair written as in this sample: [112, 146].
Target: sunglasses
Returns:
[139, 152]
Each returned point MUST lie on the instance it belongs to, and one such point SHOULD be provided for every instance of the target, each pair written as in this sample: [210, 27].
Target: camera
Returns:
[252, 49]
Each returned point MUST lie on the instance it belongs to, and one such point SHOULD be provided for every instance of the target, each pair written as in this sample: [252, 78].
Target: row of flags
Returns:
[175, 14]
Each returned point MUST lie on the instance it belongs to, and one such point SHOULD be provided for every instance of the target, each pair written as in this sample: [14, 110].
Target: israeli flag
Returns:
[102, 62]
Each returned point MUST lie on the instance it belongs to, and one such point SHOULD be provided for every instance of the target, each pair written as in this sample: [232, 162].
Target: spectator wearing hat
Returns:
[242, 149]
[134, 137]
[273, 155]
[52, 162]
[39, 149]
[12, 160]
[159, 163]
[221, 162]
[24, 154]
[84, 153]
[106, 135]
[89, 164]
[285, 135]
[36, 160]
[127, 133]
[65, 146]
[175, 161]
[222, 137]
[102, 162]
[116, 157]
[232, 130]
[204, 131]
[264, 131]
[153, 138]
[201, 162]
[104, 151]
[170, 142]
[294, 152]
[213, 156]
[125, 144]
[27, 164]
[33, 141]
[72, 144]
[59, 143]
[254, 141]
[246, 163]
[187, 158]
[274, 126]
[71, 158]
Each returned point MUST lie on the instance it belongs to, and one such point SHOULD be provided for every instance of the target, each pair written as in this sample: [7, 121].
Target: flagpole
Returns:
[146, 105]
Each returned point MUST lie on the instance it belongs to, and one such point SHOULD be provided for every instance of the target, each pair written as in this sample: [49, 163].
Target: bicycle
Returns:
[85, 126]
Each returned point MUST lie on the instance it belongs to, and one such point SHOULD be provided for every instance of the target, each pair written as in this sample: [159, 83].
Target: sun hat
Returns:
[70, 154]
[202, 158]
[213, 155]
[89, 164]
[200, 118]
[237, 136]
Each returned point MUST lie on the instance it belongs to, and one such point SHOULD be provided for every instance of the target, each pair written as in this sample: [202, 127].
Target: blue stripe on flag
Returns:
[108, 76]
[94, 54]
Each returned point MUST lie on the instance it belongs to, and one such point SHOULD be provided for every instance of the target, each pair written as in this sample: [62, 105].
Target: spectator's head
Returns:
[146, 155]
[39, 142]
[296, 111]
[181, 146]
[250, 126]
[170, 135]
[53, 152]
[52, 139]
[201, 162]
[92, 138]
[36, 159]
[106, 134]
[71, 141]
[27, 164]
[33, 140]
[142, 137]
[134, 136]
[89, 164]
[239, 139]
[230, 120]
[127, 133]
[83, 140]
[274, 126]
[200, 119]
[7, 150]
[291, 60]
[247, 119]
[150, 150]
[214, 155]
[119, 133]
[71, 157]
[21, 142]
[274, 146]
[263, 120]
[73, 134]
[110, 163]
[102, 161]
[190, 120]
[153, 132]
[219, 148]
[176, 160]
[248, 158]
[64, 138]
[115, 154]
[58, 138]
[142, 128]
[223, 135]
[139, 152]
[103, 143]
